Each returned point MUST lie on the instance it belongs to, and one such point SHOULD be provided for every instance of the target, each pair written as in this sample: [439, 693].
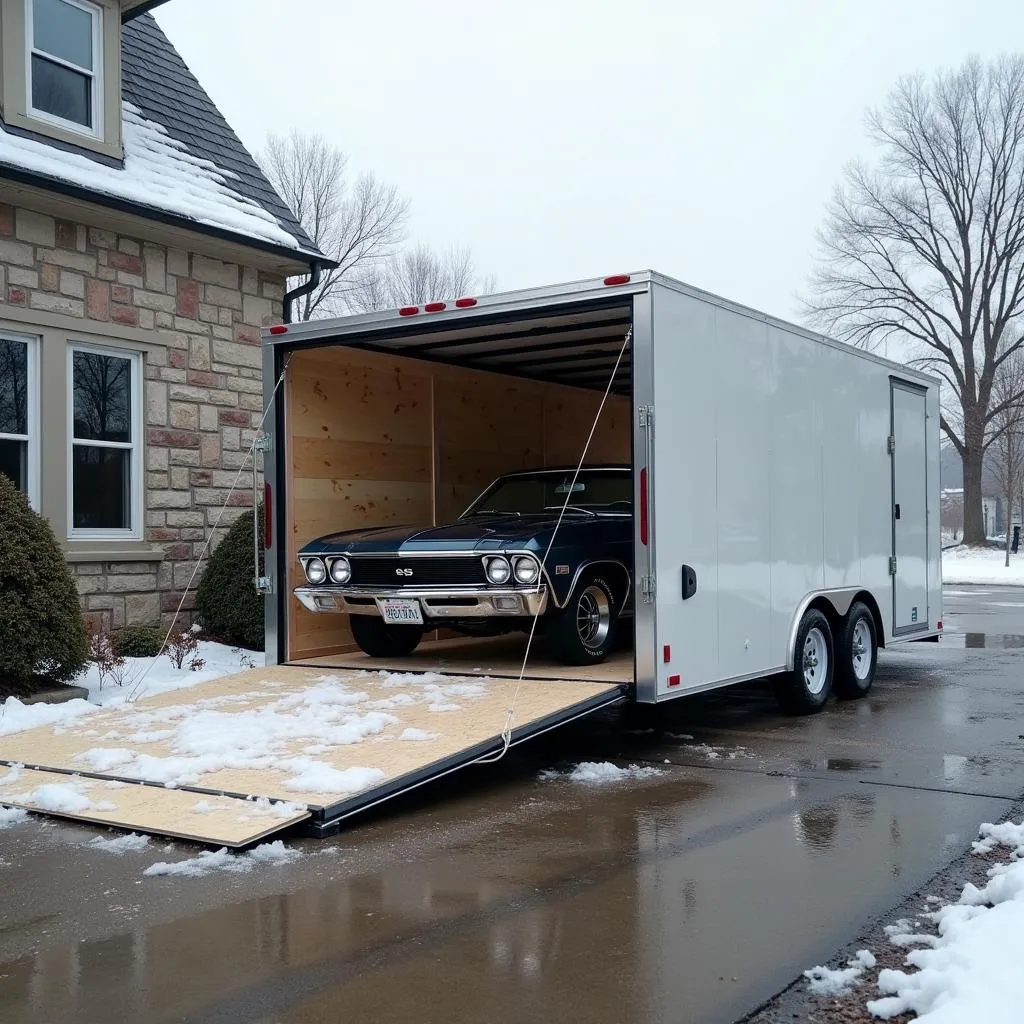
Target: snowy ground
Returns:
[962, 958]
[141, 677]
[985, 566]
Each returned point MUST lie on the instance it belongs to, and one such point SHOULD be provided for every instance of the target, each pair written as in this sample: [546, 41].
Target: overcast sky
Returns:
[576, 138]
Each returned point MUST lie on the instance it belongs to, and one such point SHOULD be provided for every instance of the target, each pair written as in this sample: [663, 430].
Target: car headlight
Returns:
[498, 570]
[526, 570]
[341, 570]
[316, 571]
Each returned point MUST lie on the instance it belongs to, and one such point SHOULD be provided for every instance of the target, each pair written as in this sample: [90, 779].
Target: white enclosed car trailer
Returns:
[786, 486]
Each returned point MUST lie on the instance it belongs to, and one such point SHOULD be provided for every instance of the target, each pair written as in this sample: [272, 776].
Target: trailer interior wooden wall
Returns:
[379, 439]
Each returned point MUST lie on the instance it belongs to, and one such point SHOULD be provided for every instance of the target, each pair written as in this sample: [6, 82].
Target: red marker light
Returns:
[434, 307]
[617, 279]
[279, 329]
[268, 517]
[673, 680]
[938, 625]
[408, 310]
[465, 303]
[667, 653]
[643, 507]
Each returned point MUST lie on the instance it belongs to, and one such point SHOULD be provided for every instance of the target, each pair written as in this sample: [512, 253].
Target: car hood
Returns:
[477, 533]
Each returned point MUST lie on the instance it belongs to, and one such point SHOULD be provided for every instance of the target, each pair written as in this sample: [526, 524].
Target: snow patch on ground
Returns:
[826, 982]
[969, 970]
[602, 771]
[15, 716]
[982, 566]
[121, 844]
[12, 816]
[210, 861]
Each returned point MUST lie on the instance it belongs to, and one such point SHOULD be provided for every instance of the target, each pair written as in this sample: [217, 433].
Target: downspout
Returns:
[300, 290]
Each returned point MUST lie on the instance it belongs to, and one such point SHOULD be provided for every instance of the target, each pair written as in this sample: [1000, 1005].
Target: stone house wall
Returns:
[198, 322]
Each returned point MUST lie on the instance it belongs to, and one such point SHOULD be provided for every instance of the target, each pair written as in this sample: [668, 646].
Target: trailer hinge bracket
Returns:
[892, 565]
[263, 585]
[891, 446]
[645, 416]
[648, 587]
[261, 443]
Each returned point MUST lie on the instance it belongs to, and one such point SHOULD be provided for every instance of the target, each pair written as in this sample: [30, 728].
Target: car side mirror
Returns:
[689, 582]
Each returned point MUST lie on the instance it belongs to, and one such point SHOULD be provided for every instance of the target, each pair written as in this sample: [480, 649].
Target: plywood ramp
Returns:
[331, 741]
[380, 440]
[181, 814]
[501, 657]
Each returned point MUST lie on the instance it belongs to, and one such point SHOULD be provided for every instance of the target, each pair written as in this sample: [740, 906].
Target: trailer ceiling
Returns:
[573, 345]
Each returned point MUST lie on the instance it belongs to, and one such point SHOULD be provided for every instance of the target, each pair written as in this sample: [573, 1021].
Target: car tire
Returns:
[378, 639]
[584, 631]
[856, 653]
[805, 689]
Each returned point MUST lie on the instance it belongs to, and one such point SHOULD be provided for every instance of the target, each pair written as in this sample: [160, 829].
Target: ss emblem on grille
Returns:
[403, 572]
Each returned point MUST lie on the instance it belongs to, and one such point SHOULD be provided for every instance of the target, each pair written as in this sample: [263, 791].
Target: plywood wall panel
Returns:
[376, 440]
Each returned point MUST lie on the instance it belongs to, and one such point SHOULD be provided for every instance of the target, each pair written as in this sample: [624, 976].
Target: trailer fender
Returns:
[832, 602]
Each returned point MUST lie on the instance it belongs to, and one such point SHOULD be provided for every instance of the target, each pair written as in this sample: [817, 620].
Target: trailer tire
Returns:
[378, 639]
[805, 689]
[856, 653]
[584, 631]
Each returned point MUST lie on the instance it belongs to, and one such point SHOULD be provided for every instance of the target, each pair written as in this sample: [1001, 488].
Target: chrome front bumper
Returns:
[450, 603]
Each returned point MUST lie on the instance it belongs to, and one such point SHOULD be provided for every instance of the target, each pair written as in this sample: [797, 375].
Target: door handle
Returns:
[897, 510]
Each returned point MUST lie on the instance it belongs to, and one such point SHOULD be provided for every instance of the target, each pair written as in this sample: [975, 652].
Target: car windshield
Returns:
[600, 492]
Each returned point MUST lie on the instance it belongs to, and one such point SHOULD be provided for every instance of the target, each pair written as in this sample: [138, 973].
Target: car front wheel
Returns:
[584, 631]
[380, 639]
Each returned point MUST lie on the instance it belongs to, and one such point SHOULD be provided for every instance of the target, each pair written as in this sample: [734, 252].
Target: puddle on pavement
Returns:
[596, 903]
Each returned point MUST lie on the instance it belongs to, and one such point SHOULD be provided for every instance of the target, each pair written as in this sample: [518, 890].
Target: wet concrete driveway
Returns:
[688, 896]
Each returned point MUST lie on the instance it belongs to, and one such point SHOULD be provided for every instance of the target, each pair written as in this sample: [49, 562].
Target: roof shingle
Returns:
[160, 84]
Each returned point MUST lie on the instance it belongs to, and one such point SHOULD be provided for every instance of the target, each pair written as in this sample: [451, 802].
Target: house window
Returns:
[65, 73]
[105, 468]
[19, 402]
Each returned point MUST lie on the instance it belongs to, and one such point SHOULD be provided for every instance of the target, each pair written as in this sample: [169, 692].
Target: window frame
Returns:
[32, 438]
[97, 73]
[135, 446]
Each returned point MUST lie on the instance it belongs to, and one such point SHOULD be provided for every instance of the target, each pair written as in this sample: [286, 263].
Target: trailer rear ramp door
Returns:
[284, 745]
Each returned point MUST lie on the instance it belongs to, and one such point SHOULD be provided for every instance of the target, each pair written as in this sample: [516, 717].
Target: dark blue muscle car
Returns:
[491, 571]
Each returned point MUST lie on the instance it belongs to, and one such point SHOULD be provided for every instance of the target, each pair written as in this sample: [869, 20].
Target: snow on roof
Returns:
[159, 173]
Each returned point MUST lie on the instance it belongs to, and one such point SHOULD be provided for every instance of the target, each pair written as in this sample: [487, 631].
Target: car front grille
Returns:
[417, 572]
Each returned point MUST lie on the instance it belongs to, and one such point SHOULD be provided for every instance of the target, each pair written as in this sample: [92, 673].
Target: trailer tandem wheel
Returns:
[806, 687]
[856, 653]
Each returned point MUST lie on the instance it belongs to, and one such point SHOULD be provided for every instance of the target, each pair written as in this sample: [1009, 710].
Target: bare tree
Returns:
[359, 223]
[928, 246]
[416, 276]
[1007, 435]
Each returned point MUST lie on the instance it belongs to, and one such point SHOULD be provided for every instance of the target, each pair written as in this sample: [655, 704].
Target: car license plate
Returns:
[401, 612]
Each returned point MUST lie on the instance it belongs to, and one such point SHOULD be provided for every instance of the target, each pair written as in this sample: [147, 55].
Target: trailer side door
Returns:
[909, 566]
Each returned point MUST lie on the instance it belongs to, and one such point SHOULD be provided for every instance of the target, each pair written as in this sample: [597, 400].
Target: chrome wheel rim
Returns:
[815, 661]
[861, 650]
[593, 617]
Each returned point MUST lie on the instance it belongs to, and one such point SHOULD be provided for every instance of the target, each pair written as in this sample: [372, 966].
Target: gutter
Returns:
[303, 289]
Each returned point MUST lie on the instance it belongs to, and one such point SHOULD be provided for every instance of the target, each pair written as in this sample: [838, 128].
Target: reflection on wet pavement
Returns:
[690, 896]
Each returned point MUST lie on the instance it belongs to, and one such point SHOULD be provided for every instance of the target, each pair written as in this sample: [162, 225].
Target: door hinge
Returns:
[892, 565]
[263, 585]
[648, 587]
[891, 446]
[645, 416]
[261, 443]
